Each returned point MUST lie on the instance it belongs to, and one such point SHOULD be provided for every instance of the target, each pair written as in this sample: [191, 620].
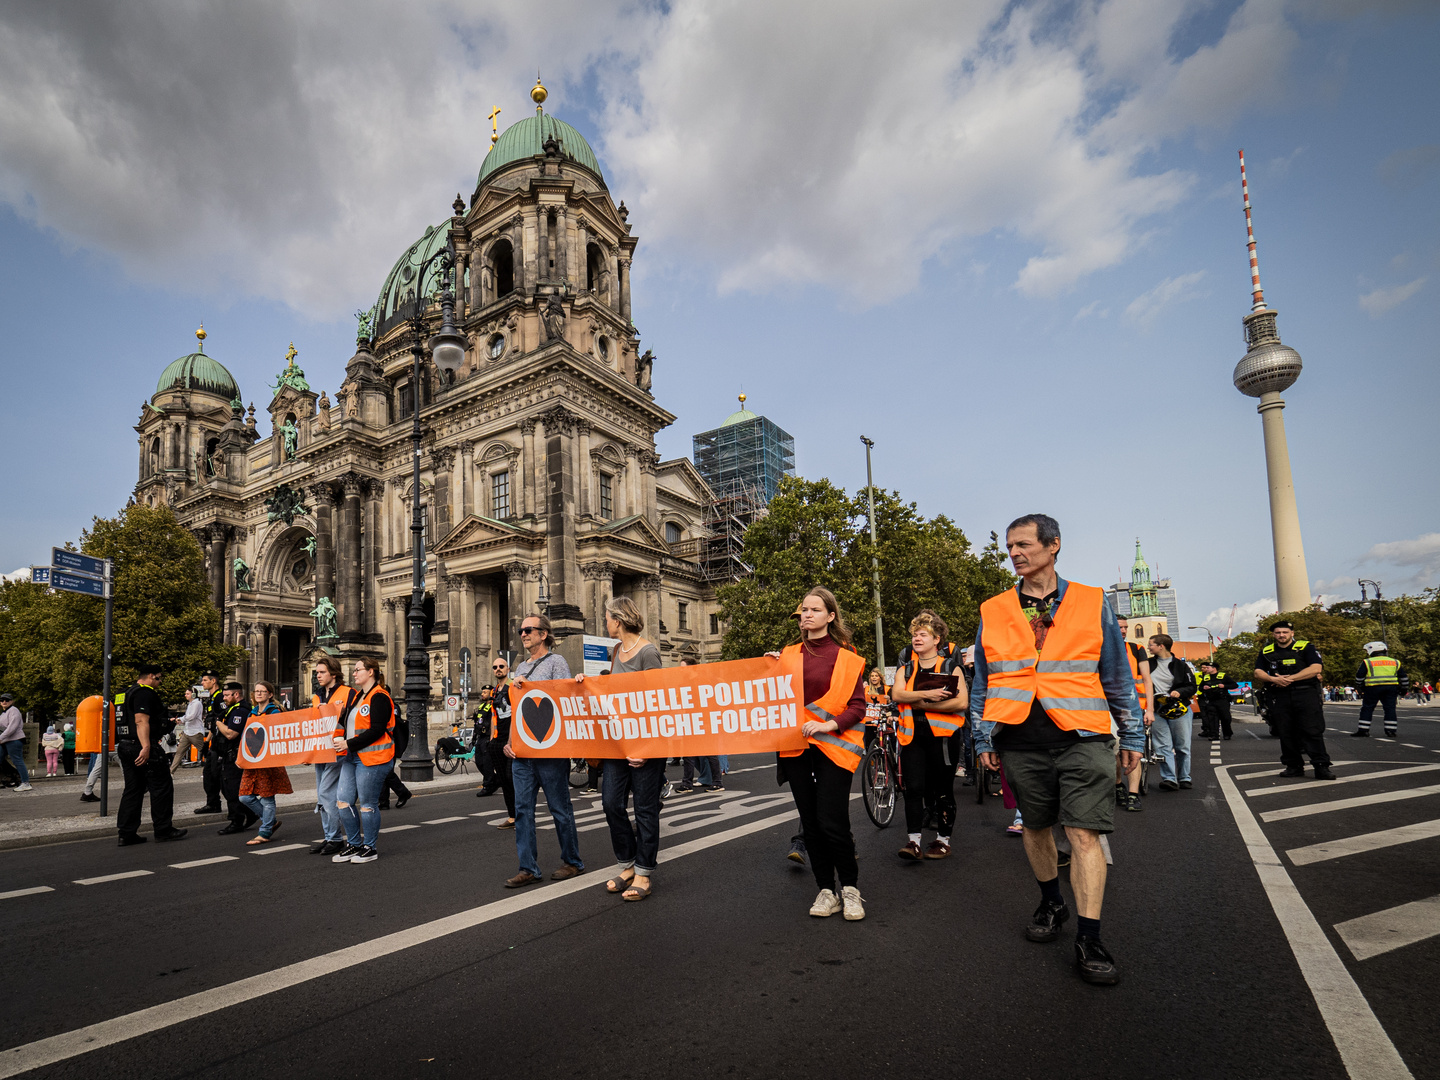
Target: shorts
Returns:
[1074, 785]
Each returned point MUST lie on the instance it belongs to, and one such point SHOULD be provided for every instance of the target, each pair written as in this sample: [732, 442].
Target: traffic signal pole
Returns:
[105, 706]
[874, 561]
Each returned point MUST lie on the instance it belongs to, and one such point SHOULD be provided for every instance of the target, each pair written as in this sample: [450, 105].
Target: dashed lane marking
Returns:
[489, 813]
[113, 877]
[277, 850]
[398, 828]
[204, 862]
[25, 892]
[1349, 804]
[1371, 935]
[1273, 770]
[1408, 745]
[1363, 842]
[1378, 775]
[447, 820]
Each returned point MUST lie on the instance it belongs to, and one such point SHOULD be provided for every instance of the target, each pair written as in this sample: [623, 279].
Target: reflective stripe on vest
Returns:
[844, 748]
[1066, 680]
[941, 724]
[1136, 676]
[339, 696]
[382, 749]
[1382, 671]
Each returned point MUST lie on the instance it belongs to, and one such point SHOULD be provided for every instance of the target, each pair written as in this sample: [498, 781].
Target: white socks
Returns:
[914, 837]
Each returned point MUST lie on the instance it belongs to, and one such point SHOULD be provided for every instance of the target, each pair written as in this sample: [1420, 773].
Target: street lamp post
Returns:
[1379, 601]
[448, 350]
[874, 559]
[1209, 635]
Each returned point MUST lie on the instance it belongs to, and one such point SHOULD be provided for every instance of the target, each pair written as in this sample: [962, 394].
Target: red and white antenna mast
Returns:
[1257, 292]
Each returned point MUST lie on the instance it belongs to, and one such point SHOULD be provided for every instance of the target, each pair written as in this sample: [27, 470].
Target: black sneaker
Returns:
[1045, 924]
[714, 787]
[365, 854]
[89, 798]
[329, 847]
[127, 839]
[1132, 801]
[1120, 794]
[207, 810]
[1185, 785]
[682, 788]
[172, 834]
[1293, 772]
[1359, 734]
[345, 854]
[1169, 785]
[797, 852]
[1322, 772]
[1095, 963]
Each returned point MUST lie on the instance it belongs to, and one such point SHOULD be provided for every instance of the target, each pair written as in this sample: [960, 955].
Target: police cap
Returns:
[151, 669]
[210, 673]
[1283, 624]
[235, 686]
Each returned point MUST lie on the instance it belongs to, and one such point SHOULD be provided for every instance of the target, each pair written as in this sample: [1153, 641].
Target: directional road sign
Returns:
[63, 579]
[40, 575]
[77, 563]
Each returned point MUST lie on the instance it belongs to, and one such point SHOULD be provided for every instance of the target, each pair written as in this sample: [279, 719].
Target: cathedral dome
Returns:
[400, 284]
[526, 139]
[199, 372]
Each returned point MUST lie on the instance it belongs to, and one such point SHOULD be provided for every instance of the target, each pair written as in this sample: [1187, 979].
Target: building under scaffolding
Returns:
[735, 508]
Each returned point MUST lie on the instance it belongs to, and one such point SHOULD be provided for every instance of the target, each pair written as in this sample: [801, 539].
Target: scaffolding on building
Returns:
[722, 554]
[754, 451]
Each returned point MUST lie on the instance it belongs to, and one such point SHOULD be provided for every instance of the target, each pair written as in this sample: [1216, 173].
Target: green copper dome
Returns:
[526, 139]
[199, 372]
[400, 284]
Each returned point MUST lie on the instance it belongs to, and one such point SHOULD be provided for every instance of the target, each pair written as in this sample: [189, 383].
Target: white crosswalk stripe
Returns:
[1349, 804]
[1355, 779]
[1371, 935]
[1355, 845]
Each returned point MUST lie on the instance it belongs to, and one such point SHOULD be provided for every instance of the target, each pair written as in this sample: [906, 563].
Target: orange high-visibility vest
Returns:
[1065, 679]
[383, 748]
[339, 696]
[1135, 674]
[942, 724]
[844, 748]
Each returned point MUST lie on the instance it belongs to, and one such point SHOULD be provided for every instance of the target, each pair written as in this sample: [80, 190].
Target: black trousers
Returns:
[504, 772]
[67, 759]
[212, 775]
[692, 763]
[1385, 697]
[401, 737]
[1215, 717]
[483, 761]
[822, 795]
[929, 781]
[1299, 720]
[637, 845]
[154, 777]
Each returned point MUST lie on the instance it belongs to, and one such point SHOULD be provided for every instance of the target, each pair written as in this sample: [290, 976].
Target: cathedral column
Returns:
[216, 535]
[466, 480]
[467, 635]
[455, 616]
[348, 557]
[515, 582]
[272, 654]
[442, 464]
[398, 607]
[323, 496]
[517, 251]
[562, 244]
[648, 460]
[527, 469]
[625, 290]
[538, 473]
[600, 579]
[371, 555]
[582, 468]
[632, 480]
[650, 588]
[543, 246]
[582, 254]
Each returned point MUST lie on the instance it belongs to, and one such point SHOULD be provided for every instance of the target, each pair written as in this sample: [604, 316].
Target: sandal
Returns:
[257, 840]
[640, 893]
[619, 883]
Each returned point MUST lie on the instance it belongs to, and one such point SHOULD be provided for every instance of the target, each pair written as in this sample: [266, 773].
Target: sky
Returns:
[1003, 239]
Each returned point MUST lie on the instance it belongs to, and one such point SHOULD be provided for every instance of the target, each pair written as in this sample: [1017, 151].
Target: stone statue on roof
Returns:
[242, 575]
[291, 434]
[642, 370]
[324, 615]
[365, 320]
[292, 376]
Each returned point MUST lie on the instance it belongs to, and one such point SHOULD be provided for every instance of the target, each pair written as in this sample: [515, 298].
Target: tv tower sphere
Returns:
[1268, 366]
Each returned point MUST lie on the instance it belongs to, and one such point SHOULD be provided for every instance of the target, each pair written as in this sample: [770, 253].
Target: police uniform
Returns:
[153, 775]
[1381, 679]
[1215, 704]
[213, 772]
[241, 816]
[1296, 710]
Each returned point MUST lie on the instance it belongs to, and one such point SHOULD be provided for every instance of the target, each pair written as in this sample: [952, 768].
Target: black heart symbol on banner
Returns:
[539, 715]
[255, 741]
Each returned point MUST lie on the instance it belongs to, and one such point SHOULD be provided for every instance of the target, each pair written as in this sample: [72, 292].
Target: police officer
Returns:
[228, 728]
[137, 738]
[1381, 679]
[213, 769]
[1290, 671]
[484, 718]
[1215, 687]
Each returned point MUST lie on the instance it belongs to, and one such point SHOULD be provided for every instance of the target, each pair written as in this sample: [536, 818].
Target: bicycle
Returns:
[986, 781]
[881, 779]
[448, 759]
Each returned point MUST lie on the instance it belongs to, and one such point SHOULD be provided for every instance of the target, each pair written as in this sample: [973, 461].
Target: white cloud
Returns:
[1380, 301]
[1406, 565]
[1145, 309]
[23, 574]
[1247, 617]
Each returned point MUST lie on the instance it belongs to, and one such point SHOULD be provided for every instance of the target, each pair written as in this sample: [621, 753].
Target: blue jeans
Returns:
[636, 845]
[327, 784]
[553, 774]
[1172, 740]
[264, 806]
[16, 749]
[360, 785]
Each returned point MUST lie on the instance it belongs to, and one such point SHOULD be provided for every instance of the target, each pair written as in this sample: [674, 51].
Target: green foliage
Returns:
[814, 534]
[52, 643]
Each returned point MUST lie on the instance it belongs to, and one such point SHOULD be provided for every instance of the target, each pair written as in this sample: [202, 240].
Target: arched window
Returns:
[594, 267]
[502, 262]
[212, 446]
[672, 533]
[154, 455]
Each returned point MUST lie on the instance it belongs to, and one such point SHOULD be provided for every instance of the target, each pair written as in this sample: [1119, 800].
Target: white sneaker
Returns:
[826, 904]
[854, 906]
[24, 787]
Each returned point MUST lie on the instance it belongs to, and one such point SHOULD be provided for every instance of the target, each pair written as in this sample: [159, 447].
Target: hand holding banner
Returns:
[734, 707]
[298, 737]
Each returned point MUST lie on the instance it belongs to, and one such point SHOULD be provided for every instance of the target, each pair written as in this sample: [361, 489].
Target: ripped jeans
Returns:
[360, 785]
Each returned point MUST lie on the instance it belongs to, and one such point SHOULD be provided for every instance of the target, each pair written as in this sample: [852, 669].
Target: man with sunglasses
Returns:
[492, 732]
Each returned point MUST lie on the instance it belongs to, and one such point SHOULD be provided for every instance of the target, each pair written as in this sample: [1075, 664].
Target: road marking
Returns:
[69, 1044]
[204, 862]
[1371, 935]
[25, 892]
[1409, 745]
[113, 877]
[1364, 1048]
[1349, 804]
[398, 828]
[276, 850]
[447, 820]
[489, 813]
[1355, 845]
[1379, 775]
[1273, 770]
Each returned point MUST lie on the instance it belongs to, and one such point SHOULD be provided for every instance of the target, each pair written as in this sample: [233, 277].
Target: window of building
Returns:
[684, 615]
[503, 258]
[607, 496]
[500, 495]
[405, 402]
[714, 625]
[672, 533]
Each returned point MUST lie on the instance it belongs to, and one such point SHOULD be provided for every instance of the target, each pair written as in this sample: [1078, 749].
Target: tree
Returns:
[1340, 640]
[52, 642]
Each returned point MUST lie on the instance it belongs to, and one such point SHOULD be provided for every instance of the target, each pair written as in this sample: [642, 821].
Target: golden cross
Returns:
[494, 127]
[291, 353]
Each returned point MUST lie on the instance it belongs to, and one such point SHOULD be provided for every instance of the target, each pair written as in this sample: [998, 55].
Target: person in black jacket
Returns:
[1174, 684]
[137, 743]
[1214, 688]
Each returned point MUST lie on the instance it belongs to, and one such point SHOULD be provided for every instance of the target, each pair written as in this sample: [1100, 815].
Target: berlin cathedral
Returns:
[540, 486]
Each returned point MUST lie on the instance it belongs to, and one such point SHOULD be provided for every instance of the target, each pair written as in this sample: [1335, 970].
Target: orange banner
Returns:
[733, 707]
[298, 737]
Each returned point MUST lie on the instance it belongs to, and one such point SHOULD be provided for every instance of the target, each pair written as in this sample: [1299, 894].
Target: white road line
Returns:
[1364, 1048]
[1379, 775]
[12, 894]
[204, 862]
[62, 1047]
[398, 828]
[1274, 770]
[447, 820]
[1362, 842]
[490, 813]
[276, 850]
[1350, 804]
[1371, 935]
[1408, 745]
[113, 877]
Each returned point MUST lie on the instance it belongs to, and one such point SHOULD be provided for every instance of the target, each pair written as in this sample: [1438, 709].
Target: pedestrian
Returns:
[1174, 686]
[820, 776]
[212, 757]
[483, 727]
[1290, 670]
[1214, 692]
[259, 787]
[1050, 673]
[637, 844]
[12, 739]
[1127, 784]
[368, 724]
[329, 677]
[393, 783]
[137, 734]
[500, 738]
[530, 774]
[67, 752]
[192, 731]
[928, 718]
[225, 746]
[52, 742]
[1382, 680]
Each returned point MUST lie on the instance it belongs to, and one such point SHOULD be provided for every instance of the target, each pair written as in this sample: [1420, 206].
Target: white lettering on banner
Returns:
[787, 715]
[706, 693]
[722, 694]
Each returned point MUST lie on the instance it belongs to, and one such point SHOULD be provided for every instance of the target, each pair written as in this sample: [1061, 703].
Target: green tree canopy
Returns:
[52, 642]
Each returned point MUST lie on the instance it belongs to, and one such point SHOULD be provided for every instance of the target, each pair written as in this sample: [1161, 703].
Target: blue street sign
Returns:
[74, 561]
[62, 579]
[40, 575]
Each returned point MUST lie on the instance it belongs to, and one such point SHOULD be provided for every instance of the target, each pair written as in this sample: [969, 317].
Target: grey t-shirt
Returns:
[550, 666]
[1161, 676]
[646, 658]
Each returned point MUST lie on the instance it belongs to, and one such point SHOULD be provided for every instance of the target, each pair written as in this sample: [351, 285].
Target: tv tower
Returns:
[1268, 368]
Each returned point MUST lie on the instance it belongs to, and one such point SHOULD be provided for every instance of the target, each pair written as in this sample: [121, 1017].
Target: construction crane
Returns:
[1231, 628]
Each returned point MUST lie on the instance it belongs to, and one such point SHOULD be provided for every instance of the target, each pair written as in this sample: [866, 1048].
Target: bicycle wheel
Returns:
[1145, 764]
[579, 772]
[444, 762]
[877, 785]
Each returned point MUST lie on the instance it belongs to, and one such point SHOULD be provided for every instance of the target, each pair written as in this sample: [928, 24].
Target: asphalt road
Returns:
[431, 968]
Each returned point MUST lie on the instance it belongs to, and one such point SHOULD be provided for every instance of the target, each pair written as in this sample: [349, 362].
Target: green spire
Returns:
[1142, 590]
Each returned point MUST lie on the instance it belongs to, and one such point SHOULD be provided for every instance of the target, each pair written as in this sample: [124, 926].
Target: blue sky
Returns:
[1005, 243]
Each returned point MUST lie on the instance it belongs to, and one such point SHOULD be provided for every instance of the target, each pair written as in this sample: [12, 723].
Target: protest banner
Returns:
[734, 707]
[297, 737]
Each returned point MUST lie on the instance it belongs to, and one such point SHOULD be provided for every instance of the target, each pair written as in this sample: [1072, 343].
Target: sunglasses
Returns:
[498, 667]
[529, 629]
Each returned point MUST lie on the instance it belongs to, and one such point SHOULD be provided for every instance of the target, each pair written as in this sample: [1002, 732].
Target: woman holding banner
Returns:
[636, 861]
[258, 787]
[363, 737]
[820, 775]
[329, 676]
